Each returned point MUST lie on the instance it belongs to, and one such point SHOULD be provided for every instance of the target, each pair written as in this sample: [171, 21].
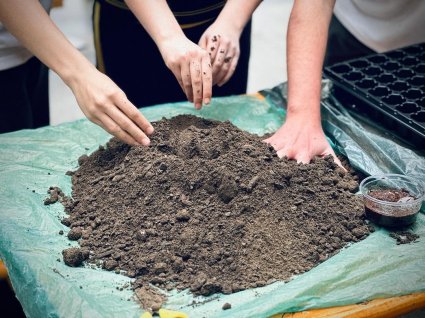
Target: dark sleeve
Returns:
[186, 11]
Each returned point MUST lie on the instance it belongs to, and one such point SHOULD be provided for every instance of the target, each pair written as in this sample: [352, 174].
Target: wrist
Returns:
[230, 24]
[165, 36]
[168, 44]
[75, 73]
[305, 114]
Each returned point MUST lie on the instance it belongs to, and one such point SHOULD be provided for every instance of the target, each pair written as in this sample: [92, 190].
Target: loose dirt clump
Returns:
[56, 195]
[73, 256]
[404, 237]
[210, 208]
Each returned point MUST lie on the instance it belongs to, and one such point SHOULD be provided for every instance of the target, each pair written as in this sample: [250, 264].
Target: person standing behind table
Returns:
[23, 84]
[202, 43]
[363, 27]
[359, 27]
[103, 102]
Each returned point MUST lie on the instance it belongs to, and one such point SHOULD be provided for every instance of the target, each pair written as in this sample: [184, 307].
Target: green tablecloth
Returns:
[33, 160]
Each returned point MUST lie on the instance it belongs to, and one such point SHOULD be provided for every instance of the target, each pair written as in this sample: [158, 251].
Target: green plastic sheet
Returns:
[33, 160]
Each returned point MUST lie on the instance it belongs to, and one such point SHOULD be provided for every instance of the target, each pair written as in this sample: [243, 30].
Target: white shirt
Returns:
[383, 25]
[12, 52]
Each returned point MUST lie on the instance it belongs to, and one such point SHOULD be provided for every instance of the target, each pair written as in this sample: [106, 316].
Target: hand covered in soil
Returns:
[191, 65]
[105, 104]
[221, 41]
[301, 139]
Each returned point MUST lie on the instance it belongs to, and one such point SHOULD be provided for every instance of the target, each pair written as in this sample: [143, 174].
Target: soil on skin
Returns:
[210, 208]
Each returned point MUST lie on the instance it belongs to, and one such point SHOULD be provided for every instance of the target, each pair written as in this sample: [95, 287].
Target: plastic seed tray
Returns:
[388, 87]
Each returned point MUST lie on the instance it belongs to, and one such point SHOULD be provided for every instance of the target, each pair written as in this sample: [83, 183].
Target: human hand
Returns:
[105, 104]
[301, 139]
[191, 65]
[221, 41]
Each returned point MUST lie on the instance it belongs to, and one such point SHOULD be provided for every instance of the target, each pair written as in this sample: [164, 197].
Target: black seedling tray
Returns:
[388, 87]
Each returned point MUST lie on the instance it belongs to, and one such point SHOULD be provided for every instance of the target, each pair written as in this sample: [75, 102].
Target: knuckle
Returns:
[192, 54]
[126, 125]
[182, 59]
[91, 116]
[121, 95]
[134, 114]
[100, 101]
[112, 128]
[197, 82]
[204, 54]
[173, 62]
[111, 94]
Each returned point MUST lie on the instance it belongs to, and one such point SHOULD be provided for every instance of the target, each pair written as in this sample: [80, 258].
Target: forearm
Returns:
[306, 45]
[236, 13]
[28, 22]
[157, 19]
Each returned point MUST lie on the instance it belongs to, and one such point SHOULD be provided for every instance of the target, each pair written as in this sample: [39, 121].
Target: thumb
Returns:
[203, 41]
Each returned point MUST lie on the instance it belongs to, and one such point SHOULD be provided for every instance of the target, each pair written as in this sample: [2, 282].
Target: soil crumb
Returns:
[56, 195]
[73, 256]
[210, 208]
[404, 237]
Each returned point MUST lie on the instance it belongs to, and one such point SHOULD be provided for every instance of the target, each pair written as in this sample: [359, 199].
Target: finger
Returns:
[330, 151]
[114, 129]
[203, 41]
[219, 60]
[303, 158]
[275, 142]
[285, 152]
[195, 74]
[178, 75]
[225, 67]
[268, 140]
[206, 79]
[187, 82]
[212, 46]
[179, 78]
[233, 63]
[133, 114]
[209, 44]
[127, 125]
[271, 142]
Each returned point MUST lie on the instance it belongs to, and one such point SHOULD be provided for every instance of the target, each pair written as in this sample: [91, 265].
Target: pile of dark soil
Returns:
[210, 208]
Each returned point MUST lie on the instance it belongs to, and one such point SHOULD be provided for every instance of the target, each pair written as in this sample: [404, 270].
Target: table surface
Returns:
[34, 159]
